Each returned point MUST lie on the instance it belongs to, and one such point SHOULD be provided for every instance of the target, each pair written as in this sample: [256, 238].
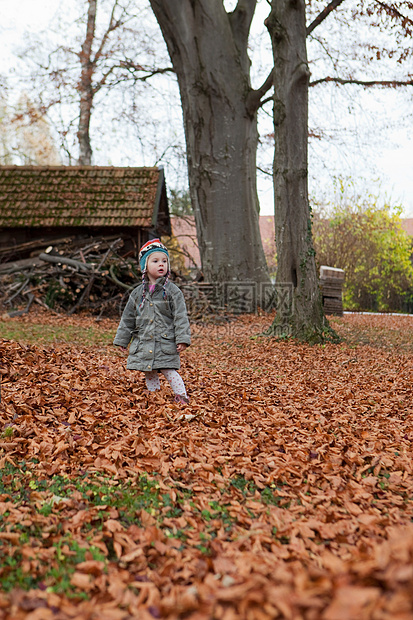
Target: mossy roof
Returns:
[80, 196]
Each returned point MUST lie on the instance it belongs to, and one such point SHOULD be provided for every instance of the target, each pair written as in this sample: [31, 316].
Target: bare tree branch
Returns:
[387, 83]
[392, 10]
[134, 68]
[268, 173]
[322, 16]
[254, 96]
[103, 79]
[264, 101]
[155, 72]
[113, 24]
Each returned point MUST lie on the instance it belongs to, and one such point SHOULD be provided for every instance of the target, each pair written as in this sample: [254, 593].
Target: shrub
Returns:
[368, 242]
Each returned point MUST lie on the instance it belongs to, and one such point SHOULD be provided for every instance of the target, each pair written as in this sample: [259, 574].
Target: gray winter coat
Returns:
[156, 329]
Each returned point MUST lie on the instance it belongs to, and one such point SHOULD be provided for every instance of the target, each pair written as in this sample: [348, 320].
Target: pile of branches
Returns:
[93, 274]
[68, 276]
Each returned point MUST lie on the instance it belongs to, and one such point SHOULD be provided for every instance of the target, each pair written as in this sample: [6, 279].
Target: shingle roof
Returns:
[79, 196]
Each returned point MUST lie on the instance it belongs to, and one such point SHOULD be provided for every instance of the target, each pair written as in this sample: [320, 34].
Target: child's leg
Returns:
[152, 380]
[175, 381]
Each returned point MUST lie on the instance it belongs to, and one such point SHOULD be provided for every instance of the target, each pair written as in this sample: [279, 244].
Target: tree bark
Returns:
[208, 49]
[86, 88]
[303, 317]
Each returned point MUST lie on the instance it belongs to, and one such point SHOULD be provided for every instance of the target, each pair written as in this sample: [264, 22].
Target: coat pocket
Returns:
[134, 346]
[168, 345]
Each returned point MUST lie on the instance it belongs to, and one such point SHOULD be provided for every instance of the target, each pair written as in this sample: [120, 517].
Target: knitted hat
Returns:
[154, 245]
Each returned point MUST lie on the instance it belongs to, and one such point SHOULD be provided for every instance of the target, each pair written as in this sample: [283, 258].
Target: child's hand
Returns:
[121, 347]
[181, 347]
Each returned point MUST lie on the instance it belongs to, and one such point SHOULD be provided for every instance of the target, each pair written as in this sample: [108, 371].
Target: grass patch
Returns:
[41, 550]
[17, 483]
[34, 333]
[383, 331]
[53, 573]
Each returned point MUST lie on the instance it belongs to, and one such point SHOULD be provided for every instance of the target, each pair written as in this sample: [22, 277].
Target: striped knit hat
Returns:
[154, 245]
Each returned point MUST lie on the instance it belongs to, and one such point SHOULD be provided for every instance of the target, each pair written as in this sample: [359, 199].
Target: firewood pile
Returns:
[94, 274]
[67, 276]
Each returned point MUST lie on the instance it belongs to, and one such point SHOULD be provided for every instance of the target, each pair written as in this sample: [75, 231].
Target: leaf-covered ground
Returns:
[288, 495]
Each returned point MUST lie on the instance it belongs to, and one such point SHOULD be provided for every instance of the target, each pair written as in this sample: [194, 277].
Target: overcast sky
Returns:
[387, 157]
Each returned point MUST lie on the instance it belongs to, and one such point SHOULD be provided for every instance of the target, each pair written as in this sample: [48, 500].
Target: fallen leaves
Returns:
[284, 490]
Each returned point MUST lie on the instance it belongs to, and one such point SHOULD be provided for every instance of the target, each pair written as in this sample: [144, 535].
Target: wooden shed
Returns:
[47, 203]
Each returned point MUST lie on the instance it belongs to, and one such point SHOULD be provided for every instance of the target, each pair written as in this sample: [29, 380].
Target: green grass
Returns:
[95, 490]
[381, 335]
[52, 499]
[56, 577]
[49, 503]
[33, 333]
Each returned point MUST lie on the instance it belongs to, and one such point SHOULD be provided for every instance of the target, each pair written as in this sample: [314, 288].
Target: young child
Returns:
[156, 320]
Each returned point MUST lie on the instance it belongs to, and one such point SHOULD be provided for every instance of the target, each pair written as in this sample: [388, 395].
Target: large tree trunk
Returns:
[303, 316]
[86, 88]
[208, 49]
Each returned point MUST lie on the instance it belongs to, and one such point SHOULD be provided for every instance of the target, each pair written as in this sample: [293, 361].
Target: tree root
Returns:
[294, 330]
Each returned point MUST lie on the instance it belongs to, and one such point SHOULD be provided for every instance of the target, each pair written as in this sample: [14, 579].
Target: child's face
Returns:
[157, 266]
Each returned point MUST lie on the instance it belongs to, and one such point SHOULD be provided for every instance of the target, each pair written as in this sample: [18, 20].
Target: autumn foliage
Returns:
[367, 241]
[287, 495]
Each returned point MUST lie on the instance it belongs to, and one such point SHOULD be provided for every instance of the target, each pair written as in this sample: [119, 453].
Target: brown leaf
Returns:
[352, 602]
